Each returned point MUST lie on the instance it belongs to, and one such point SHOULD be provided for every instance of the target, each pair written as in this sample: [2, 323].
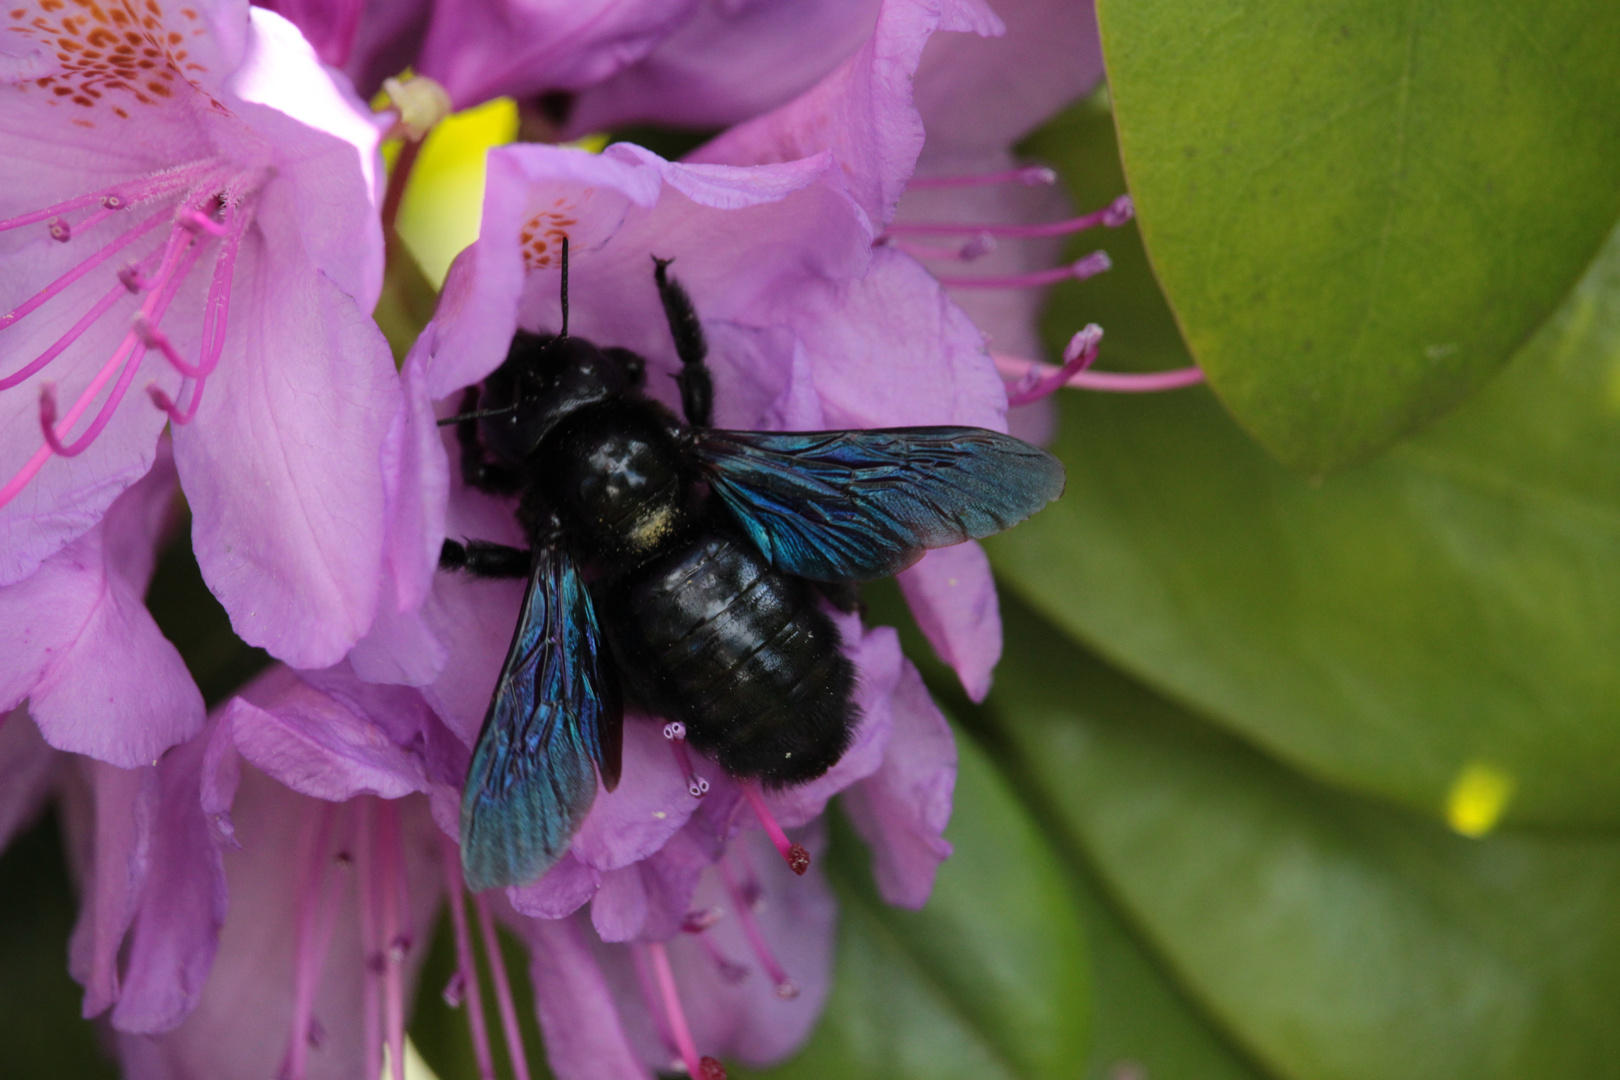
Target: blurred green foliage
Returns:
[1360, 208]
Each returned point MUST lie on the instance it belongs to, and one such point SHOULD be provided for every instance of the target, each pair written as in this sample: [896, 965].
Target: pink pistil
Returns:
[797, 858]
[1018, 368]
[705, 1068]
[466, 963]
[785, 988]
[503, 989]
[316, 912]
[675, 732]
[1112, 216]
[1029, 175]
[1080, 269]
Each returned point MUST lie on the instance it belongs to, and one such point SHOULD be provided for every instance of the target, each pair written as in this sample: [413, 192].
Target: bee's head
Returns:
[543, 379]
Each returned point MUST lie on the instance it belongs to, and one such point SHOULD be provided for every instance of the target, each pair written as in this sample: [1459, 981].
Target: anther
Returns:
[113, 202]
[61, 231]
[675, 732]
[797, 858]
[455, 990]
[132, 278]
[700, 920]
[1080, 354]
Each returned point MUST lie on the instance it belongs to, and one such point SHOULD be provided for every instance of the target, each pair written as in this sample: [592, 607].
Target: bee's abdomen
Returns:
[741, 654]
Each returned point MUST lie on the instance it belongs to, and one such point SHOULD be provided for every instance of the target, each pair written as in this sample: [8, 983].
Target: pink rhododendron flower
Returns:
[187, 212]
[80, 647]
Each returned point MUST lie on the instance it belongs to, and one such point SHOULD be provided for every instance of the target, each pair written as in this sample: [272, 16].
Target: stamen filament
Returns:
[675, 732]
[33, 303]
[116, 197]
[1119, 382]
[1090, 266]
[785, 988]
[503, 989]
[394, 940]
[370, 949]
[705, 1068]
[797, 858]
[314, 934]
[76, 331]
[731, 971]
[976, 248]
[1080, 354]
[1030, 175]
[126, 360]
[466, 963]
[1115, 214]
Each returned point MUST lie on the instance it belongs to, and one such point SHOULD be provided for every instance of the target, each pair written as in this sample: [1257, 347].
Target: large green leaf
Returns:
[1359, 208]
[989, 981]
[1450, 608]
[1336, 937]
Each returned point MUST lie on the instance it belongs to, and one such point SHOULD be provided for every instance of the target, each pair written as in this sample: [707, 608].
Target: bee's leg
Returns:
[480, 558]
[477, 471]
[697, 388]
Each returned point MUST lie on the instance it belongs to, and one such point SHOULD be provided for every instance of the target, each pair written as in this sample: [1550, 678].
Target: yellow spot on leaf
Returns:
[1478, 797]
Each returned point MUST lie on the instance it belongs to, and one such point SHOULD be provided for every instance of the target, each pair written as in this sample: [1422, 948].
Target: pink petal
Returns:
[953, 597]
[110, 832]
[902, 809]
[565, 888]
[100, 677]
[862, 111]
[585, 1037]
[283, 464]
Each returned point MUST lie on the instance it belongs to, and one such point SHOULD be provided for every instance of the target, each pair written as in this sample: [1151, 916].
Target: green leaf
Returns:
[988, 982]
[1360, 208]
[1336, 937]
[1450, 608]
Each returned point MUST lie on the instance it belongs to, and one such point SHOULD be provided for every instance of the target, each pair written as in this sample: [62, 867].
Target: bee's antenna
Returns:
[478, 414]
[564, 287]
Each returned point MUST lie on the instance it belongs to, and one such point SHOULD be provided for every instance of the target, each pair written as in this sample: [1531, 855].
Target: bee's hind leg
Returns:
[697, 387]
[480, 558]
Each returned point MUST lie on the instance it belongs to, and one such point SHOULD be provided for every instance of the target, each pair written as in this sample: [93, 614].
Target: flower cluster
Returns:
[192, 239]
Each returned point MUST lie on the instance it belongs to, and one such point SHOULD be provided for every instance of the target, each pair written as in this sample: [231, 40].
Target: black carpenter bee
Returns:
[688, 566]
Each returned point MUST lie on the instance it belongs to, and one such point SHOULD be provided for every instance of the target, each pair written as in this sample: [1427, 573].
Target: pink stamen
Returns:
[314, 934]
[1119, 382]
[797, 858]
[1029, 175]
[976, 248]
[113, 198]
[97, 310]
[705, 1068]
[466, 963]
[785, 989]
[34, 302]
[503, 989]
[396, 941]
[675, 732]
[1090, 266]
[1080, 355]
[195, 220]
[700, 920]
[371, 1011]
[1115, 214]
[126, 360]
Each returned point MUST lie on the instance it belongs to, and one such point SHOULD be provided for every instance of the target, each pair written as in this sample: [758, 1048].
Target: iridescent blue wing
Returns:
[555, 720]
[859, 505]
